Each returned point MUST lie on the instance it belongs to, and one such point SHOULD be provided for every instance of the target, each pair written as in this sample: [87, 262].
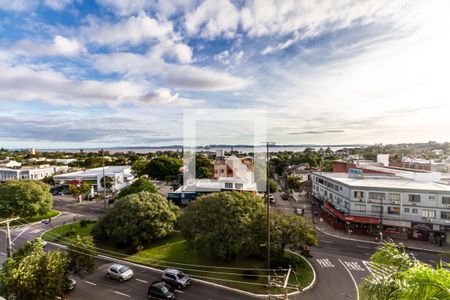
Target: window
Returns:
[428, 213]
[394, 197]
[228, 185]
[393, 210]
[359, 194]
[376, 196]
[414, 198]
[347, 204]
[445, 215]
[340, 188]
[326, 193]
[414, 210]
[432, 197]
[360, 207]
[406, 209]
[377, 209]
[445, 200]
[239, 186]
[336, 187]
[331, 196]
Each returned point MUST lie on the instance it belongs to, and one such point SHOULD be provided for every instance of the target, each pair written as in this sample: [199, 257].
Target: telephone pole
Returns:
[8, 236]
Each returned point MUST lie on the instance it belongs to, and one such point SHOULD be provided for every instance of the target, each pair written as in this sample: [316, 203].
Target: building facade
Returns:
[394, 205]
[34, 173]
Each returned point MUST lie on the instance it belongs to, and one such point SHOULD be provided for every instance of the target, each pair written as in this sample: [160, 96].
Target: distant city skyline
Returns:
[109, 73]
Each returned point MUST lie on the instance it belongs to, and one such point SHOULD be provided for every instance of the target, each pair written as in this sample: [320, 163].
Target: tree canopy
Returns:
[139, 167]
[32, 273]
[136, 219]
[203, 166]
[24, 198]
[81, 254]
[221, 225]
[164, 168]
[140, 185]
[401, 276]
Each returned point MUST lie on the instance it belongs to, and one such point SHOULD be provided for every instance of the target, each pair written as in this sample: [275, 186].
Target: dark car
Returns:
[160, 290]
[175, 278]
[285, 196]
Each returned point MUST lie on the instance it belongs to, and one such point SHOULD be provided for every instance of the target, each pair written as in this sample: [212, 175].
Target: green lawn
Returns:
[173, 252]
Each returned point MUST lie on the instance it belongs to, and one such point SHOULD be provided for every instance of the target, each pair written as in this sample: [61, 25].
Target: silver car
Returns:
[119, 272]
[176, 278]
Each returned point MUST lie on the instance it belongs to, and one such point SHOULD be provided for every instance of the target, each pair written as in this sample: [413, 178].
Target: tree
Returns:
[24, 198]
[136, 219]
[81, 255]
[139, 167]
[140, 185]
[164, 168]
[221, 225]
[203, 166]
[79, 188]
[34, 274]
[294, 182]
[291, 231]
[404, 277]
[273, 186]
[106, 182]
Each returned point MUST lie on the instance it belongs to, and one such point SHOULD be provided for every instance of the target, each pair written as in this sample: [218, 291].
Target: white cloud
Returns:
[165, 96]
[228, 58]
[169, 49]
[281, 46]
[57, 4]
[212, 18]
[60, 46]
[134, 30]
[125, 8]
[27, 5]
[40, 83]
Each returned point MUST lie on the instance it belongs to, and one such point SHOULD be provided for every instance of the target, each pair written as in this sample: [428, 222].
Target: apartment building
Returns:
[34, 173]
[411, 206]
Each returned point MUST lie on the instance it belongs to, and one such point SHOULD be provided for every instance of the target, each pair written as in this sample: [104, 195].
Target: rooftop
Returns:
[96, 171]
[386, 181]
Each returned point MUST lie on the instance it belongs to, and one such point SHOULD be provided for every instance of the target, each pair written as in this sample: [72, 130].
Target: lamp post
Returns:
[104, 179]
[381, 219]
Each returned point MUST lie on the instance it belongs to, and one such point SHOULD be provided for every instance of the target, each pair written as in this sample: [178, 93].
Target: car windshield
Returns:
[123, 269]
[180, 275]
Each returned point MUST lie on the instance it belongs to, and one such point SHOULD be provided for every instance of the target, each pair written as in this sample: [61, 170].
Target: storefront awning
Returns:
[349, 218]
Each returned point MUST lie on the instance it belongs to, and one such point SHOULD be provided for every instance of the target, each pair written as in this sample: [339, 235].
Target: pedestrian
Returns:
[49, 220]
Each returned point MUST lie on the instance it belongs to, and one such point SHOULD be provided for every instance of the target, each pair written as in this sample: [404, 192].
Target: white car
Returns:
[119, 272]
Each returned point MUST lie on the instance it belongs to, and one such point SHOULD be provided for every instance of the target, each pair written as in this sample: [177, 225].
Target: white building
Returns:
[121, 177]
[10, 164]
[406, 205]
[35, 173]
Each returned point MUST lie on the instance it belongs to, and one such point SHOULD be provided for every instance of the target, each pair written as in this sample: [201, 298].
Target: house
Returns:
[233, 166]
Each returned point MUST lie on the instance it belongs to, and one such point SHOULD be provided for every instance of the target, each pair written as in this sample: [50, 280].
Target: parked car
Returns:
[298, 211]
[160, 290]
[271, 199]
[119, 272]
[71, 284]
[176, 278]
[285, 196]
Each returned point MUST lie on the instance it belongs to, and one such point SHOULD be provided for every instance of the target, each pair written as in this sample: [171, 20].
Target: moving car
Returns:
[175, 278]
[160, 290]
[119, 272]
[271, 199]
[298, 211]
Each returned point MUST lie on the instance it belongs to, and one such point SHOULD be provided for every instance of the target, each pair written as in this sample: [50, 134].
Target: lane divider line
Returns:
[353, 278]
[122, 294]
[91, 283]
[140, 280]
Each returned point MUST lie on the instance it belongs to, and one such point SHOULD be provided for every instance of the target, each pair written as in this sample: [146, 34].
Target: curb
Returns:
[313, 282]
[375, 243]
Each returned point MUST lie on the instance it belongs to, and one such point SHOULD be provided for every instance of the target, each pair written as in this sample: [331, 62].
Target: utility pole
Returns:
[104, 179]
[381, 219]
[268, 210]
[286, 280]
[8, 236]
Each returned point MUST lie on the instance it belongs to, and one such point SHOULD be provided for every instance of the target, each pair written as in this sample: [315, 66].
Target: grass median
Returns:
[242, 273]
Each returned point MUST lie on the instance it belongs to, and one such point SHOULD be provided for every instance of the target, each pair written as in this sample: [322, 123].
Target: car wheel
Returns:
[120, 279]
[179, 286]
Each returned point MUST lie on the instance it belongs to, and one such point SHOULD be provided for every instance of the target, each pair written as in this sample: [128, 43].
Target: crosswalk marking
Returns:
[354, 266]
[377, 270]
[324, 262]
[37, 230]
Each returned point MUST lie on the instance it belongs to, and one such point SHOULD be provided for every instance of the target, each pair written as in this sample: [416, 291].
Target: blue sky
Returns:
[79, 73]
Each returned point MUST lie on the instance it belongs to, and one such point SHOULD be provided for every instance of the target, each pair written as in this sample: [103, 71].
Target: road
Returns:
[340, 265]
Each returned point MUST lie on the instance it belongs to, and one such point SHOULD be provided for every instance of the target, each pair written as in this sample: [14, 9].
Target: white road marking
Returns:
[23, 230]
[324, 262]
[144, 281]
[323, 241]
[37, 230]
[354, 266]
[353, 279]
[2, 253]
[91, 283]
[377, 270]
[364, 247]
[179, 292]
[122, 294]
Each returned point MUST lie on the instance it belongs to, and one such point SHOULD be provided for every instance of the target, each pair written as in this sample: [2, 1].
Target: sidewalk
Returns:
[323, 227]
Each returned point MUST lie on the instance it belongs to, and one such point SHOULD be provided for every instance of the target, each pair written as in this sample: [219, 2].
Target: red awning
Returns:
[347, 218]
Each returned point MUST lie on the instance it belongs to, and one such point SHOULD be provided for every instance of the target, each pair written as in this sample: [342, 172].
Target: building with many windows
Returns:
[34, 173]
[407, 206]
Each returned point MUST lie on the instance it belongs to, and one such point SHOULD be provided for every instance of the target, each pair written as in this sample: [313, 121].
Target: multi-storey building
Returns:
[413, 207]
[35, 173]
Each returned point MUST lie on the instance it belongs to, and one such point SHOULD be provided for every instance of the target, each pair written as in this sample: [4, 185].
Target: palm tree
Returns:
[398, 275]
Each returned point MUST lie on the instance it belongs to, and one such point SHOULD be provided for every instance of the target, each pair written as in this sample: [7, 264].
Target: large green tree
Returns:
[164, 168]
[222, 225]
[203, 166]
[403, 277]
[137, 218]
[140, 185]
[139, 167]
[81, 254]
[24, 198]
[79, 188]
[33, 274]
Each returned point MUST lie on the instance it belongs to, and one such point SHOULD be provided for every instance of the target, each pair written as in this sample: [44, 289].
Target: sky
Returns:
[108, 73]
